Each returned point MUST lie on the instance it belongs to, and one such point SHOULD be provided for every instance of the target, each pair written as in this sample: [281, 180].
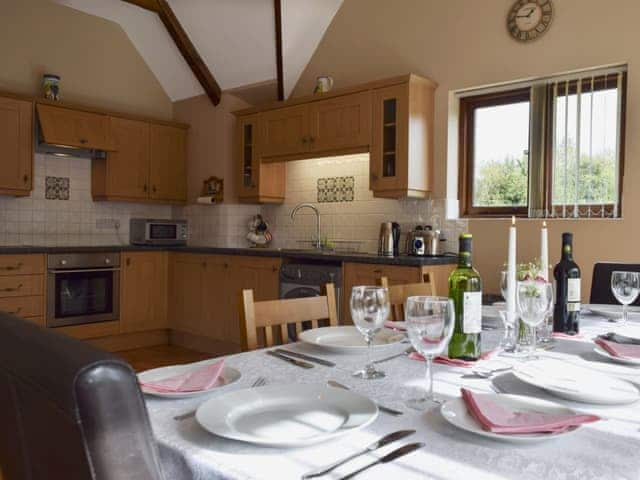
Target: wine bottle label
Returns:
[573, 290]
[472, 312]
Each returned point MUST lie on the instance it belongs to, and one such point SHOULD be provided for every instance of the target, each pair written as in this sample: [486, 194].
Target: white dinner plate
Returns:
[349, 339]
[286, 415]
[614, 312]
[576, 383]
[456, 413]
[228, 375]
[626, 360]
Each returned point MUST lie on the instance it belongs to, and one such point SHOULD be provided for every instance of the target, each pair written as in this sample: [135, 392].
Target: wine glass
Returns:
[625, 287]
[429, 322]
[369, 310]
[535, 300]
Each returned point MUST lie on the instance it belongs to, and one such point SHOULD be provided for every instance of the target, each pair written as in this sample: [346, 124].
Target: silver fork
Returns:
[260, 381]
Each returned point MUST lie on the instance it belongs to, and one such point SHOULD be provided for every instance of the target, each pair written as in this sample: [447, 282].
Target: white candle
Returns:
[511, 270]
[544, 252]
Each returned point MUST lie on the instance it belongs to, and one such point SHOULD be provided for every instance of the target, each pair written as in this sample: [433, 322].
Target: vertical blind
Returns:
[587, 120]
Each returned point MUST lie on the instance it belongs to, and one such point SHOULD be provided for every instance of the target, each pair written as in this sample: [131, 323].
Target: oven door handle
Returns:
[86, 270]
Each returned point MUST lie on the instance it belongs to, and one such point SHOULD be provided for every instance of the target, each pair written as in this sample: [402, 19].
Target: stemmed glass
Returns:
[535, 300]
[625, 287]
[369, 310]
[429, 322]
[509, 341]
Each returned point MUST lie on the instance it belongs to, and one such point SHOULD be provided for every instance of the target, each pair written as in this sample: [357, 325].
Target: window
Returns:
[551, 149]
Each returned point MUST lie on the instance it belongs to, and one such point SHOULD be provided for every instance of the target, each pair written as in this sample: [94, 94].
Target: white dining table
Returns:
[605, 450]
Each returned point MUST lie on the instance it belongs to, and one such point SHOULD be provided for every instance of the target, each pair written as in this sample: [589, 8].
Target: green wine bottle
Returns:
[465, 289]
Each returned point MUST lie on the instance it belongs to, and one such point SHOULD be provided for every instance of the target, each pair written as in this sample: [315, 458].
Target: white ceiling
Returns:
[235, 38]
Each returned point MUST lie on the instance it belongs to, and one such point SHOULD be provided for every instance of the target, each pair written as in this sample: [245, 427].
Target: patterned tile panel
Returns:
[336, 189]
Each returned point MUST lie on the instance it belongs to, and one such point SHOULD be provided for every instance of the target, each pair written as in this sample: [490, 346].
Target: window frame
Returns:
[469, 104]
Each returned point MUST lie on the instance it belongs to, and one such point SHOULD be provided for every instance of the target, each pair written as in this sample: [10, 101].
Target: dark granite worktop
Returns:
[289, 254]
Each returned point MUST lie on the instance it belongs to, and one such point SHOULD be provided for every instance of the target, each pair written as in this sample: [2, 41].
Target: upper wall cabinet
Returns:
[148, 163]
[392, 119]
[258, 182]
[16, 144]
[401, 161]
[74, 128]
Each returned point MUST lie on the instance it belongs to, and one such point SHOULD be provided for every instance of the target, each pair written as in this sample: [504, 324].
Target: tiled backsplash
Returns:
[35, 220]
[81, 221]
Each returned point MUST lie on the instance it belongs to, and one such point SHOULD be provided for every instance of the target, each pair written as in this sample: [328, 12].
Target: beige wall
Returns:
[464, 43]
[98, 64]
[210, 141]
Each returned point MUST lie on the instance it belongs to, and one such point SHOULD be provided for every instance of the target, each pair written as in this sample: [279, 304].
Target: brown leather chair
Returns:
[69, 411]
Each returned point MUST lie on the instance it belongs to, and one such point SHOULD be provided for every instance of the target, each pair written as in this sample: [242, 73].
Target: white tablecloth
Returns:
[606, 450]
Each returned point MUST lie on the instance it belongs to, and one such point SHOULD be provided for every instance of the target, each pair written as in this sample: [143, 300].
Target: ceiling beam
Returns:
[182, 41]
[277, 6]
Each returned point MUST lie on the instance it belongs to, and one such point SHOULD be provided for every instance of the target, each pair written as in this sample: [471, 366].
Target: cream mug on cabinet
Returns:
[323, 84]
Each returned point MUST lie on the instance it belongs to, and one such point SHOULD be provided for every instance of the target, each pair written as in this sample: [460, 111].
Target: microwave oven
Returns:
[147, 231]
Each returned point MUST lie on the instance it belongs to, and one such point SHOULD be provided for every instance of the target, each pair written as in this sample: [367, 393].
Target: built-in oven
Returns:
[82, 288]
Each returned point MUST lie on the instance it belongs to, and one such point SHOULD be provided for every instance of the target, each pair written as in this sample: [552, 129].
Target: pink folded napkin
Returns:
[197, 380]
[497, 419]
[565, 335]
[619, 349]
[455, 362]
[395, 325]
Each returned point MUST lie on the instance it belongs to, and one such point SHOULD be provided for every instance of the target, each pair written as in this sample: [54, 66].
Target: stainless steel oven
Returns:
[82, 288]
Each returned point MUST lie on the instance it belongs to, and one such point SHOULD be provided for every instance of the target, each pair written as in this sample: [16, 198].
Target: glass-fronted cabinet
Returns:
[401, 158]
[258, 182]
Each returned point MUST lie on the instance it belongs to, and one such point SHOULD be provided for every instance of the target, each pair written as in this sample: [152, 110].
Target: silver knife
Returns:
[293, 361]
[387, 439]
[303, 356]
[382, 408]
[389, 457]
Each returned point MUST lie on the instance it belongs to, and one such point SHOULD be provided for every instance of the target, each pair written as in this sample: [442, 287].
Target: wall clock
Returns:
[528, 19]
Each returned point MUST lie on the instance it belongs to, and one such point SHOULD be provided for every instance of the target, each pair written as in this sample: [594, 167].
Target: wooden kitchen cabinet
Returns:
[73, 127]
[124, 173]
[143, 291]
[354, 274]
[401, 160]
[187, 292]
[284, 131]
[148, 163]
[22, 286]
[168, 173]
[340, 123]
[16, 144]
[258, 182]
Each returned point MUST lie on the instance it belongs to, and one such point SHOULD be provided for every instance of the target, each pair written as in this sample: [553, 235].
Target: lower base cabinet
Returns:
[143, 291]
[370, 274]
[205, 292]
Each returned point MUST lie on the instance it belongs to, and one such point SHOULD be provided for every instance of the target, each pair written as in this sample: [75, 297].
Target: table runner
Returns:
[605, 450]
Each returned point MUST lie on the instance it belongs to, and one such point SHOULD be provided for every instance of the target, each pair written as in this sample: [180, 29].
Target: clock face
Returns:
[528, 19]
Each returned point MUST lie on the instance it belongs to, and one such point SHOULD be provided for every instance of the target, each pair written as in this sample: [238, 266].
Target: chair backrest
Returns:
[601, 282]
[271, 318]
[399, 293]
[68, 410]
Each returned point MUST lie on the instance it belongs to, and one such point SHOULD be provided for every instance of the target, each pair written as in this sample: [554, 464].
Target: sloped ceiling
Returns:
[235, 38]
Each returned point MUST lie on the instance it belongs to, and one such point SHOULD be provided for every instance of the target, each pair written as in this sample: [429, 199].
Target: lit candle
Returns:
[544, 252]
[511, 271]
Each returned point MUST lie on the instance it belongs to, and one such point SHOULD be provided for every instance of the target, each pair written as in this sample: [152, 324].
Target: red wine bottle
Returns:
[566, 313]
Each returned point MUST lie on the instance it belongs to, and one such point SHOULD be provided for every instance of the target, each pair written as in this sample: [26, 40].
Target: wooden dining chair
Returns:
[269, 320]
[399, 293]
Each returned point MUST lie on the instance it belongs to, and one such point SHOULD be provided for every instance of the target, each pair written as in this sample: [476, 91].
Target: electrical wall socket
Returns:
[107, 223]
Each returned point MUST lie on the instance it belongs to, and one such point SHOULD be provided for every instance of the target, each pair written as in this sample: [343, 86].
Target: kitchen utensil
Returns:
[389, 457]
[382, 408]
[416, 242]
[381, 442]
[292, 361]
[395, 230]
[303, 356]
[286, 415]
[401, 354]
[433, 241]
[324, 84]
[385, 245]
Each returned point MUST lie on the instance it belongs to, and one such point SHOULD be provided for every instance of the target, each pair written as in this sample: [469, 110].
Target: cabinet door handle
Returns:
[145, 188]
[274, 269]
[153, 189]
[304, 139]
[312, 139]
[226, 265]
[11, 289]
[128, 261]
[15, 312]
[377, 271]
[204, 264]
[25, 179]
[83, 141]
[18, 266]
